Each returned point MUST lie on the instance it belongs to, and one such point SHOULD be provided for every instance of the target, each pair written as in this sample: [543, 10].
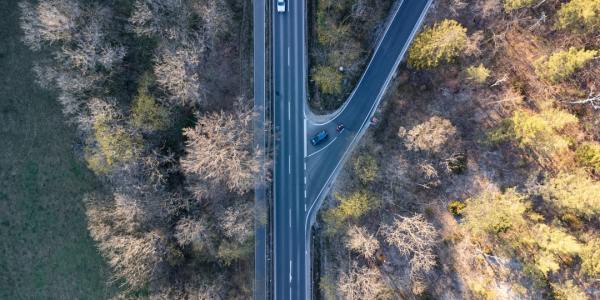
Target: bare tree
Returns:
[135, 255]
[363, 283]
[196, 233]
[414, 237]
[167, 19]
[176, 71]
[49, 21]
[237, 221]
[430, 135]
[359, 240]
[216, 16]
[219, 149]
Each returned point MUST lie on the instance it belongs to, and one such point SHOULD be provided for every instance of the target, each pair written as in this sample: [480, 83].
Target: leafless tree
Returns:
[237, 221]
[414, 237]
[177, 71]
[49, 21]
[194, 232]
[430, 135]
[216, 16]
[361, 241]
[219, 149]
[167, 19]
[364, 283]
[135, 255]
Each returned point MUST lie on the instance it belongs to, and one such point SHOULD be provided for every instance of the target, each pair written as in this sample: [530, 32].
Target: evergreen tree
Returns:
[573, 192]
[478, 74]
[510, 5]
[579, 15]
[441, 43]
[562, 64]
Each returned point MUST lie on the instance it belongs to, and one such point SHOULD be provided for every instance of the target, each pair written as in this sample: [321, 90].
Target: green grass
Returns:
[45, 249]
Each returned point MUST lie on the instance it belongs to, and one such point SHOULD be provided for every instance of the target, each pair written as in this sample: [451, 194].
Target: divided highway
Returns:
[303, 173]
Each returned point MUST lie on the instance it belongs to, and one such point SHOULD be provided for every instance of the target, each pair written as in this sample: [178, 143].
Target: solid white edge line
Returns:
[402, 53]
[338, 112]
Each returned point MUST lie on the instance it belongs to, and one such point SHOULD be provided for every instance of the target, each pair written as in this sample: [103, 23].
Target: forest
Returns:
[159, 92]
[482, 180]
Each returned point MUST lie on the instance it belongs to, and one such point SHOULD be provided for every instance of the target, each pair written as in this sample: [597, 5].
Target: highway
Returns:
[303, 174]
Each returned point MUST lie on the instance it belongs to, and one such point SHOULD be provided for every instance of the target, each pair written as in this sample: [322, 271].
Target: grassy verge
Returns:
[45, 250]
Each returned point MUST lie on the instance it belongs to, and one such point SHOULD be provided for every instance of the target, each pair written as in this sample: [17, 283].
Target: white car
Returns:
[280, 5]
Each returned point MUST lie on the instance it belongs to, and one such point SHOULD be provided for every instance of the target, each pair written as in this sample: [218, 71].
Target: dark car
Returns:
[319, 137]
[340, 127]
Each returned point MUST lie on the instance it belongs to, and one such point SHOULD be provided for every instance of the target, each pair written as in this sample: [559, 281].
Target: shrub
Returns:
[456, 207]
[590, 258]
[441, 43]
[478, 74]
[510, 5]
[579, 15]
[494, 212]
[328, 80]
[147, 113]
[567, 291]
[573, 192]
[365, 167]
[588, 155]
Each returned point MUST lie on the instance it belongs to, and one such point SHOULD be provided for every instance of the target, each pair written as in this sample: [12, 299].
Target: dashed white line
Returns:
[290, 275]
[304, 180]
[290, 214]
[304, 194]
[288, 56]
[289, 164]
[289, 112]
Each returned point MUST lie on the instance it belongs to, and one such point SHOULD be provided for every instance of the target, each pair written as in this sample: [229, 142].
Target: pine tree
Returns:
[562, 64]
[579, 15]
[441, 43]
[573, 192]
[477, 74]
[510, 5]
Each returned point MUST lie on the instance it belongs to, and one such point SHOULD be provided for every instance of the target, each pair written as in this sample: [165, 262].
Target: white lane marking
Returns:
[290, 214]
[304, 207]
[288, 56]
[338, 112]
[360, 132]
[305, 177]
[289, 164]
[324, 147]
[290, 275]
[304, 194]
[289, 112]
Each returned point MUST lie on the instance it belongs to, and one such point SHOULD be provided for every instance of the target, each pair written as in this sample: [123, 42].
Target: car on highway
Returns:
[280, 6]
[319, 137]
[340, 127]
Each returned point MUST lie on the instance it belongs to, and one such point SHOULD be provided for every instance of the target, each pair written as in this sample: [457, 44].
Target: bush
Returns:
[536, 131]
[588, 155]
[510, 5]
[494, 212]
[579, 15]
[567, 291]
[456, 207]
[441, 43]
[590, 258]
[562, 64]
[478, 74]
[573, 192]
[328, 80]
[365, 167]
[147, 114]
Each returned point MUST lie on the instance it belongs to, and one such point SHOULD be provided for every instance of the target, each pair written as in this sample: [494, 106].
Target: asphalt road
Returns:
[303, 173]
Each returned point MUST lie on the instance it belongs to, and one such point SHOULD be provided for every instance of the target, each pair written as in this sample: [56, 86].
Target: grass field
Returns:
[45, 250]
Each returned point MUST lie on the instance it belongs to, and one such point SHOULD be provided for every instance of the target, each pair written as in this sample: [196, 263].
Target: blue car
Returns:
[319, 137]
